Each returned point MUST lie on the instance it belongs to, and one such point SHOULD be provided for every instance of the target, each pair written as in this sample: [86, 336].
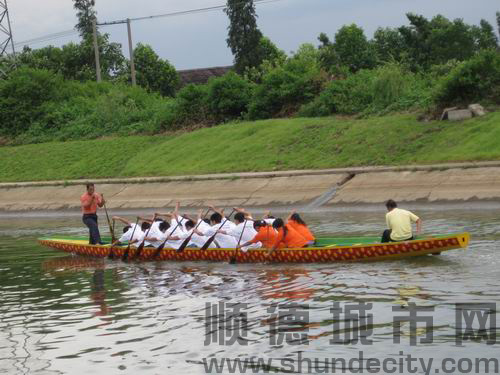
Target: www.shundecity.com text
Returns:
[404, 364]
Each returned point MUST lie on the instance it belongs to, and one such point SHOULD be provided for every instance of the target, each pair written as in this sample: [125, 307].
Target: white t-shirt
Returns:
[197, 240]
[224, 241]
[174, 231]
[269, 221]
[248, 234]
[138, 234]
[155, 232]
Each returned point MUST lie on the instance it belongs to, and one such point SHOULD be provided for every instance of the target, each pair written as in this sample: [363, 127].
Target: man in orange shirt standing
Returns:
[90, 202]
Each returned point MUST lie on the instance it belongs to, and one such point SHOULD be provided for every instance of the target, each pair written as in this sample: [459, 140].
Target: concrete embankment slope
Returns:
[311, 189]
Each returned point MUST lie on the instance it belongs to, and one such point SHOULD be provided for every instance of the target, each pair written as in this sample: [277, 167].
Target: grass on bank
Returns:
[283, 144]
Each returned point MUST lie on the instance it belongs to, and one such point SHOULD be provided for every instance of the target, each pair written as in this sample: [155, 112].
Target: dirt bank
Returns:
[462, 182]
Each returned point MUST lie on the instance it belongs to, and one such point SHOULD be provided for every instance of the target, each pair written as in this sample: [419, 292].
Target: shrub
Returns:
[285, 88]
[473, 80]
[23, 96]
[228, 96]
[388, 88]
[190, 107]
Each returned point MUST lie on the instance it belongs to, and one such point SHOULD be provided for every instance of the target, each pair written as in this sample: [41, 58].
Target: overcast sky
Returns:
[199, 40]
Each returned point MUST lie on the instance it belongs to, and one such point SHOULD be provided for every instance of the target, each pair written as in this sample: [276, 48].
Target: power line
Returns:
[72, 32]
[180, 13]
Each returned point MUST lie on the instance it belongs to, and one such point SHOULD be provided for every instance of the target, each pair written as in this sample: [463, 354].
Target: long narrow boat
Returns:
[327, 250]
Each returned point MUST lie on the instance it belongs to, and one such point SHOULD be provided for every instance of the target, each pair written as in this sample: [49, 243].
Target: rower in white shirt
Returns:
[194, 231]
[217, 222]
[243, 231]
[130, 229]
[175, 233]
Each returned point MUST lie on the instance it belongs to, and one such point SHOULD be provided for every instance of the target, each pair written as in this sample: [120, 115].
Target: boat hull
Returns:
[326, 254]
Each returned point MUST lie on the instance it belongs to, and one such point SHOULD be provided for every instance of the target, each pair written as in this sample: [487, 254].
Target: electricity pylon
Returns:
[6, 40]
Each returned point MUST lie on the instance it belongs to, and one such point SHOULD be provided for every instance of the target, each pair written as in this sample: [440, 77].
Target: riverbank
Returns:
[306, 189]
[261, 146]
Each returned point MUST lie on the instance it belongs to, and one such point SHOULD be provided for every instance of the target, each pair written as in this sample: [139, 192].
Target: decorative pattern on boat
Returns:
[302, 255]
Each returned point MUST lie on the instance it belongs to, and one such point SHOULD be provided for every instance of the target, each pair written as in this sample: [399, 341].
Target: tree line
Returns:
[425, 65]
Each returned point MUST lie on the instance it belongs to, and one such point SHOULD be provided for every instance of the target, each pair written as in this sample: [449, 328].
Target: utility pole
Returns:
[132, 65]
[96, 51]
[6, 39]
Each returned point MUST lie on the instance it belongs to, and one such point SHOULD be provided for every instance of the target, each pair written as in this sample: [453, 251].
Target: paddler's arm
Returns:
[124, 221]
[419, 226]
[247, 214]
[100, 199]
[221, 212]
[145, 219]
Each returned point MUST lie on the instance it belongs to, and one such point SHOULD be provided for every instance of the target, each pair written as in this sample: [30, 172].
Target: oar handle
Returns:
[186, 241]
[160, 248]
[127, 250]
[210, 240]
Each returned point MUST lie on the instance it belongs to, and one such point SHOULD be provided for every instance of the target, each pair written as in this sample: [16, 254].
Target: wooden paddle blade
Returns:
[207, 244]
[125, 254]
[184, 245]
[139, 250]
[158, 251]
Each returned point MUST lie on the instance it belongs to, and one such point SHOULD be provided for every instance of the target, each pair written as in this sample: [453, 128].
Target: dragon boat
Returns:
[326, 250]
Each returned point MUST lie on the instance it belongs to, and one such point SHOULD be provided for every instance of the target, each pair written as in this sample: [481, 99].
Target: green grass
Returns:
[284, 144]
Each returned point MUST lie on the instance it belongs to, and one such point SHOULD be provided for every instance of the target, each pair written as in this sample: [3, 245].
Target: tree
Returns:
[86, 14]
[154, 73]
[353, 49]
[76, 61]
[485, 35]
[498, 22]
[243, 35]
[327, 56]
[389, 45]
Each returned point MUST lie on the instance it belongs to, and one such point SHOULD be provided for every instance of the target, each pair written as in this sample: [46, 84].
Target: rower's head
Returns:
[296, 217]
[216, 218]
[390, 204]
[189, 224]
[257, 224]
[239, 217]
[90, 188]
[278, 223]
[206, 220]
[125, 230]
[145, 226]
[163, 226]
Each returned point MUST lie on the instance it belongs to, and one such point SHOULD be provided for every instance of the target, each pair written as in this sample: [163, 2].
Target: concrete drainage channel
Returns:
[305, 190]
[329, 195]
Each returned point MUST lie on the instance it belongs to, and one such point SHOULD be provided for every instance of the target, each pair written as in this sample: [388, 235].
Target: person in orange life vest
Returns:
[266, 235]
[296, 222]
[90, 201]
[287, 236]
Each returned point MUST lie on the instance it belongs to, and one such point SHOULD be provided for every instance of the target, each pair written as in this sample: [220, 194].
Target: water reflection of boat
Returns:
[327, 250]
[283, 284]
[72, 263]
[64, 265]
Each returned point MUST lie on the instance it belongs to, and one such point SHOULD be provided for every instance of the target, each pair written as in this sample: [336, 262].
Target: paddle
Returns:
[211, 239]
[141, 246]
[111, 229]
[186, 241]
[160, 248]
[233, 258]
[125, 255]
[111, 254]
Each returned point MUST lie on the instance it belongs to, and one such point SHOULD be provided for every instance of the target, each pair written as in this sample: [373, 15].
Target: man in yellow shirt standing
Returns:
[399, 223]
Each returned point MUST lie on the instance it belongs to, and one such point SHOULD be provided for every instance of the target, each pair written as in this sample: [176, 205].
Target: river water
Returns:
[62, 314]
